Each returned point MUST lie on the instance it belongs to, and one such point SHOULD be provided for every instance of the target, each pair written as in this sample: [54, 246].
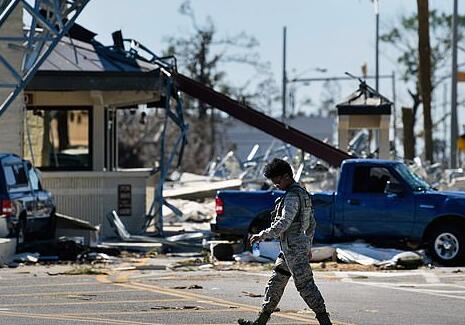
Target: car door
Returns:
[370, 213]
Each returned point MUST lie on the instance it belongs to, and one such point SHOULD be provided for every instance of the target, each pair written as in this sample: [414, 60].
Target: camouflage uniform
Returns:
[293, 222]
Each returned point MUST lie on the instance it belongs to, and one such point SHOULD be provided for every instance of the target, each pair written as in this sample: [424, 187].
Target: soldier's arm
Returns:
[290, 209]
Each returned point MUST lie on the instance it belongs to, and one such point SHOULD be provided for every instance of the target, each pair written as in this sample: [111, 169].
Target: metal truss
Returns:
[170, 155]
[45, 23]
[174, 112]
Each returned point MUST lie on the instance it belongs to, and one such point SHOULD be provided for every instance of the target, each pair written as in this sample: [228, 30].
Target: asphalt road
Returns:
[40, 295]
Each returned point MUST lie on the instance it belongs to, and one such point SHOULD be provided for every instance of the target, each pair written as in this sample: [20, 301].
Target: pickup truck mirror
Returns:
[393, 188]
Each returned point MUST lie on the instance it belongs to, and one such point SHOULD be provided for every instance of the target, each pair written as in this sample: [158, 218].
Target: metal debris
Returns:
[251, 294]
[192, 286]
[125, 236]
[30, 258]
[177, 308]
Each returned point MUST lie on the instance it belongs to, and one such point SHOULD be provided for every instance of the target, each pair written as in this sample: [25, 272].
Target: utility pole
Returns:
[453, 115]
[284, 95]
[394, 111]
[445, 112]
[376, 4]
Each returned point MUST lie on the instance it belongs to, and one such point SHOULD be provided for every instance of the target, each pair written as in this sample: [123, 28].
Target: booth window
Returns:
[59, 137]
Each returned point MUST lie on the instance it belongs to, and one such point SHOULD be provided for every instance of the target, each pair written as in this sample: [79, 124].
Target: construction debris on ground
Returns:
[190, 207]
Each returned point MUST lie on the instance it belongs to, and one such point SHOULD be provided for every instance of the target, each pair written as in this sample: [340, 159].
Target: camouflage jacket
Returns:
[292, 216]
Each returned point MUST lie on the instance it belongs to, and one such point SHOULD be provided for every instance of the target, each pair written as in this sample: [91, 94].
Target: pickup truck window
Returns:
[415, 181]
[371, 179]
[15, 176]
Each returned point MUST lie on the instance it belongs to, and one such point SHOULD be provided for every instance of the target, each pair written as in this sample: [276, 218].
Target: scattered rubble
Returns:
[85, 297]
[80, 230]
[79, 241]
[94, 257]
[85, 270]
[29, 258]
[366, 254]
[251, 294]
[190, 264]
[192, 211]
[141, 241]
[357, 252]
[177, 308]
[192, 286]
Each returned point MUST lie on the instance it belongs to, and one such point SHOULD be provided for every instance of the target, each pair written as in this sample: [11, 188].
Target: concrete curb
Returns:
[7, 250]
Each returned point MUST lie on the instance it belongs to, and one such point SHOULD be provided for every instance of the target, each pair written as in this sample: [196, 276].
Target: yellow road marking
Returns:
[51, 285]
[157, 311]
[93, 302]
[122, 279]
[210, 300]
[103, 279]
[64, 293]
[99, 320]
[93, 320]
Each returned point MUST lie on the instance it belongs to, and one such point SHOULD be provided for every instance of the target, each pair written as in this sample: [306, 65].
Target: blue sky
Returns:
[338, 35]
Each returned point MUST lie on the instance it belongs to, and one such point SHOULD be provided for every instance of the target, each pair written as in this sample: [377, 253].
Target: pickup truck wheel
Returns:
[447, 245]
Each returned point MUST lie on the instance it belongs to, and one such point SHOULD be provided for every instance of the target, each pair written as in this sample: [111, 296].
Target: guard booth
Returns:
[71, 133]
[365, 109]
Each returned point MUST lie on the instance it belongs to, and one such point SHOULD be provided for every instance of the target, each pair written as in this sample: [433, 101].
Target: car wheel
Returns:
[447, 245]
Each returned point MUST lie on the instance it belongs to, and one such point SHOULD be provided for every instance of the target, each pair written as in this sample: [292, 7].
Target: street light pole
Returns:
[284, 95]
[376, 4]
[394, 110]
[453, 115]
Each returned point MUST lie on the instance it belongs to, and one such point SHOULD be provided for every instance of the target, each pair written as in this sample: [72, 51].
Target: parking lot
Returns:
[142, 292]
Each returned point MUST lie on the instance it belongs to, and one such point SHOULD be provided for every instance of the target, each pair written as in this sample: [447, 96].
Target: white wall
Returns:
[11, 121]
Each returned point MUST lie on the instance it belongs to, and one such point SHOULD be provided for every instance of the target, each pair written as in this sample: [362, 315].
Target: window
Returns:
[60, 137]
[34, 179]
[415, 181]
[15, 176]
[371, 179]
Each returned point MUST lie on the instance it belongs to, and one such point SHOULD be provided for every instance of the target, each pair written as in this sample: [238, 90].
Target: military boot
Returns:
[262, 319]
[323, 319]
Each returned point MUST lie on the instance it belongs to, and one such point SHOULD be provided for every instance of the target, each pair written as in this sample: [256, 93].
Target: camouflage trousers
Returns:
[295, 263]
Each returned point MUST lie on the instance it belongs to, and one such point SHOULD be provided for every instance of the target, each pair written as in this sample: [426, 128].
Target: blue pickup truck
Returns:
[379, 201]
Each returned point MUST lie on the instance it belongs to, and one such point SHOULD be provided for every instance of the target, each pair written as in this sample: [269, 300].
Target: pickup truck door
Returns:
[370, 213]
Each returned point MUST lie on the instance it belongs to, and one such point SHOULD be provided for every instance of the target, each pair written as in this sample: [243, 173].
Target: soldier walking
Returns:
[294, 224]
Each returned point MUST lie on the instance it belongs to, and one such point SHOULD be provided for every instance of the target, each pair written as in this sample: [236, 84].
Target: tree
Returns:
[203, 55]
[404, 38]
[425, 74]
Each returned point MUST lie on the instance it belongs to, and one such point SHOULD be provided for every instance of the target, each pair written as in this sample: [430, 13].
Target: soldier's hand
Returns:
[310, 255]
[255, 238]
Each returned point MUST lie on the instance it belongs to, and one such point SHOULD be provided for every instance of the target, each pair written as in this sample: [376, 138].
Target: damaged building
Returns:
[66, 124]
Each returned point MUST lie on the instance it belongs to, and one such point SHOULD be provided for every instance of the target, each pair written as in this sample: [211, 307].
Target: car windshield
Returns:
[415, 181]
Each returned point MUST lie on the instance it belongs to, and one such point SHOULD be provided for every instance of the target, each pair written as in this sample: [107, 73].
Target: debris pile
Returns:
[356, 252]
[315, 174]
[189, 211]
